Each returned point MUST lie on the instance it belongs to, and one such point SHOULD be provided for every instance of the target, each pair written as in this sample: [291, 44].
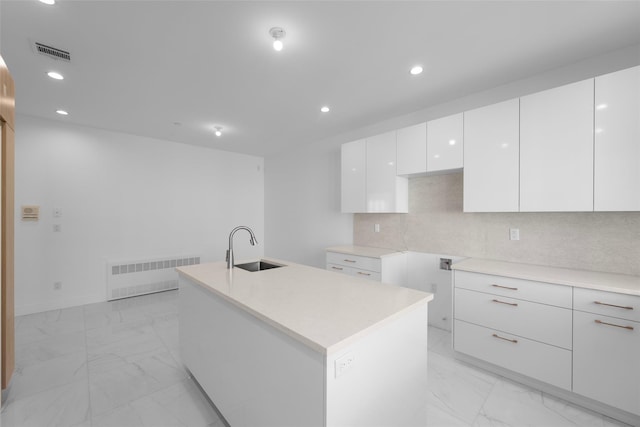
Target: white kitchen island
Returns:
[302, 346]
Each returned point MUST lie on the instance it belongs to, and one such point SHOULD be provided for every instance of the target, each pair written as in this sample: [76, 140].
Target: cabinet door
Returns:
[384, 188]
[617, 141]
[606, 360]
[354, 178]
[412, 150]
[444, 143]
[556, 149]
[491, 158]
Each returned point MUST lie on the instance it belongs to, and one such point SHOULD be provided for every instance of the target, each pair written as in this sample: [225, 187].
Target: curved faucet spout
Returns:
[253, 242]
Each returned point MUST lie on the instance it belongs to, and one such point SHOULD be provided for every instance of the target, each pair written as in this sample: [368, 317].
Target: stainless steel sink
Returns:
[258, 266]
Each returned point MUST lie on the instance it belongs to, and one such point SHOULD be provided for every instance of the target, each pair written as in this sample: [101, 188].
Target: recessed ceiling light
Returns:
[54, 75]
[218, 131]
[452, 142]
[416, 69]
[49, 2]
[62, 112]
[601, 107]
[325, 109]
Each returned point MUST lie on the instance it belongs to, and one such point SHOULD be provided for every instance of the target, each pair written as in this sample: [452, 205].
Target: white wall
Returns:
[122, 197]
[302, 212]
[302, 207]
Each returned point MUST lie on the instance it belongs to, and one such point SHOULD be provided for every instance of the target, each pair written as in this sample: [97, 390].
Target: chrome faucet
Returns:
[253, 242]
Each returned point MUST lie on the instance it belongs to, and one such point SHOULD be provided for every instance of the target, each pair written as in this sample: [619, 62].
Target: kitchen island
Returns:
[302, 346]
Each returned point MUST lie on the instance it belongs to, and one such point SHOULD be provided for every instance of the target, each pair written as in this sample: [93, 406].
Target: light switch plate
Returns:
[514, 234]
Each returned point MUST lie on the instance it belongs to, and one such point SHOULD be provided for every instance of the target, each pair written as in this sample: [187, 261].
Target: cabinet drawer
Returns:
[531, 358]
[539, 322]
[339, 268]
[606, 360]
[607, 303]
[545, 293]
[355, 261]
[365, 274]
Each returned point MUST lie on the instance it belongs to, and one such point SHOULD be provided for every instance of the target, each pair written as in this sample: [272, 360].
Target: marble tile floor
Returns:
[117, 364]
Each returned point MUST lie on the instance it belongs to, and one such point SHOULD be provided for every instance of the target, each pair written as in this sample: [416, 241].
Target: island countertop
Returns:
[324, 310]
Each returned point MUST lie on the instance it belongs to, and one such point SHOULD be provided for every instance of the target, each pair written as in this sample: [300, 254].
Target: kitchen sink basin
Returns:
[258, 266]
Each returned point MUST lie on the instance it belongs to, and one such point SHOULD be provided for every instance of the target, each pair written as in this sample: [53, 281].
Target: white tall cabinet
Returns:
[556, 149]
[617, 141]
[491, 158]
[354, 177]
[445, 143]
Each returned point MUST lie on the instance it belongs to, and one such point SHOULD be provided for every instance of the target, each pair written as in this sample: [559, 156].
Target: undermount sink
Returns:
[258, 266]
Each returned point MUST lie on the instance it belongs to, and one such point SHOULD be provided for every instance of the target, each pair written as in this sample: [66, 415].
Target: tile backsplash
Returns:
[599, 241]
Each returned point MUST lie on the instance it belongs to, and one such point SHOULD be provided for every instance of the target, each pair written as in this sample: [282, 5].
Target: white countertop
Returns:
[364, 251]
[610, 282]
[322, 309]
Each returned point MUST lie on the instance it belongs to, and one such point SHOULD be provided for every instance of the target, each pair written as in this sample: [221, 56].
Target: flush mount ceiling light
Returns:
[62, 112]
[54, 75]
[278, 34]
[325, 109]
[218, 130]
[416, 69]
[49, 2]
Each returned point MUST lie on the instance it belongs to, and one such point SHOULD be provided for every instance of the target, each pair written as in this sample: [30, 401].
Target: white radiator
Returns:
[139, 277]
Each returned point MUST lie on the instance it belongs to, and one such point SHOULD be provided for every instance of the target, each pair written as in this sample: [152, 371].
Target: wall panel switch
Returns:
[514, 234]
[57, 212]
[376, 228]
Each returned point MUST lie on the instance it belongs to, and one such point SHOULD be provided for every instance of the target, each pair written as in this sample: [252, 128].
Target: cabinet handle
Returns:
[611, 324]
[506, 339]
[364, 274]
[338, 268]
[504, 302]
[613, 305]
[504, 287]
[349, 260]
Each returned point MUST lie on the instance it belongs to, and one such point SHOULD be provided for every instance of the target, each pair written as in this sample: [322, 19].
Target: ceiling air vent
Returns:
[52, 52]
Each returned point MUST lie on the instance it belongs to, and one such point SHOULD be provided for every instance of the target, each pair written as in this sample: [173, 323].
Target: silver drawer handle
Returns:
[338, 268]
[349, 260]
[504, 287]
[506, 339]
[364, 274]
[613, 305]
[611, 324]
[504, 302]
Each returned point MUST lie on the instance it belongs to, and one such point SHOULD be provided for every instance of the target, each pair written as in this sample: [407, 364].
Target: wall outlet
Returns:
[57, 212]
[434, 288]
[57, 228]
[57, 286]
[343, 364]
[514, 234]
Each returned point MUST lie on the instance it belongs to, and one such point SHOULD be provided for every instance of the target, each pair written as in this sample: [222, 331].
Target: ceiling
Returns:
[175, 69]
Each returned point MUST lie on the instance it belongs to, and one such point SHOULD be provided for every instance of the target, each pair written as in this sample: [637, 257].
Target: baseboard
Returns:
[21, 310]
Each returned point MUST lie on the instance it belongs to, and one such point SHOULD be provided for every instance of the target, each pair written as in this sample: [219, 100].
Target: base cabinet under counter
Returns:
[578, 343]
[606, 352]
[380, 265]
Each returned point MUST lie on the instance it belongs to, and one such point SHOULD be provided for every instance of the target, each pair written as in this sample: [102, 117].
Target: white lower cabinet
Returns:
[581, 340]
[513, 324]
[606, 352]
[527, 357]
[372, 263]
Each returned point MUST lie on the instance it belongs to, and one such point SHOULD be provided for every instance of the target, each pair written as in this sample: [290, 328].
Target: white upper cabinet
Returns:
[354, 178]
[617, 141]
[556, 149]
[412, 150]
[444, 143]
[386, 192]
[491, 158]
